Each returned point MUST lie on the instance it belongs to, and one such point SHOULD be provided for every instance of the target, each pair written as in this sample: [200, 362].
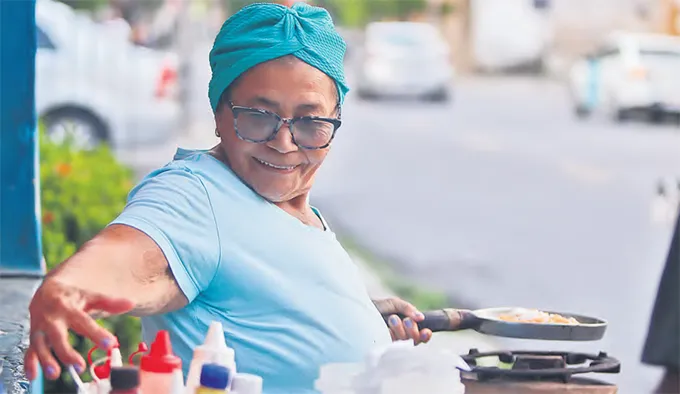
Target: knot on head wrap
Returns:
[263, 31]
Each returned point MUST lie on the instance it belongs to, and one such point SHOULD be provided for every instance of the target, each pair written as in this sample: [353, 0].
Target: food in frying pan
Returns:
[536, 316]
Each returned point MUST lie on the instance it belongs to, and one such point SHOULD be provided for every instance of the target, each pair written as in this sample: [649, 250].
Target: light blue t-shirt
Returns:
[288, 295]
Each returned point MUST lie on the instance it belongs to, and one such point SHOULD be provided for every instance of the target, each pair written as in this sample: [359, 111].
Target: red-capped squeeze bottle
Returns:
[102, 371]
[157, 366]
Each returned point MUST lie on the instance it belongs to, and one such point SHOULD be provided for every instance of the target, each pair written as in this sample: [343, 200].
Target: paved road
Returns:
[501, 198]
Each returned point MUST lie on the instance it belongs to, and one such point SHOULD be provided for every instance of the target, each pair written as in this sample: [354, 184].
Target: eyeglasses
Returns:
[308, 132]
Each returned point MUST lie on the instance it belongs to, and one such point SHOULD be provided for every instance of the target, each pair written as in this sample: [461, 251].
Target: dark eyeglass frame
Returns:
[336, 122]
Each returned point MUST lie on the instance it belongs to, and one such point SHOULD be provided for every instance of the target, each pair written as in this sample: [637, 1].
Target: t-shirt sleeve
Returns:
[662, 347]
[172, 206]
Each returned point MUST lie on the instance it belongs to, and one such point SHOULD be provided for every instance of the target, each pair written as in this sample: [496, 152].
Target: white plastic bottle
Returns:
[244, 383]
[213, 350]
[177, 382]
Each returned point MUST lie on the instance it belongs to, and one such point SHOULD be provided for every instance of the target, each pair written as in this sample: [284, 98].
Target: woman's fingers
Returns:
[425, 335]
[397, 328]
[418, 336]
[57, 308]
[31, 363]
[409, 310]
[407, 328]
[411, 328]
[41, 348]
[58, 340]
[54, 336]
[113, 306]
[401, 330]
[85, 325]
[401, 307]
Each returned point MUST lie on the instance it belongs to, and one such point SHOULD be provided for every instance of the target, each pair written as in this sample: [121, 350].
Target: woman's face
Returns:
[278, 170]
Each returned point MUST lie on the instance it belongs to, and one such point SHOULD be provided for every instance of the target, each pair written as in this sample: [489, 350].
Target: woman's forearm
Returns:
[124, 262]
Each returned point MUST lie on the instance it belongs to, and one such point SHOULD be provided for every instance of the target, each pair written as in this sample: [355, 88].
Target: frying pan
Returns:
[487, 321]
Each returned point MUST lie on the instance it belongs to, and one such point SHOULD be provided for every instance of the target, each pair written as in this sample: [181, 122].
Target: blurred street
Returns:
[500, 197]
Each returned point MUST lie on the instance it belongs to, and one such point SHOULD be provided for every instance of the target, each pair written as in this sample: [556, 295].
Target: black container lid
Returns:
[124, 378]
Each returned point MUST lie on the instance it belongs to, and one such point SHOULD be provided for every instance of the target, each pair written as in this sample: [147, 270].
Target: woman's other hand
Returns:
[406, 328]
[57, 307]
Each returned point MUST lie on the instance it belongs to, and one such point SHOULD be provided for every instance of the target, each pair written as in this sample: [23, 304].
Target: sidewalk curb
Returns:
[460, 342]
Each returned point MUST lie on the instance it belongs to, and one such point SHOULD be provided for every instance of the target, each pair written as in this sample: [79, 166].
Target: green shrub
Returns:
[353, 13]
[81, 192]
[86, 5]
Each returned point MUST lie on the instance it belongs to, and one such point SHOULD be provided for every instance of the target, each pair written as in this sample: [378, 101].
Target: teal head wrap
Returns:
[262, 32]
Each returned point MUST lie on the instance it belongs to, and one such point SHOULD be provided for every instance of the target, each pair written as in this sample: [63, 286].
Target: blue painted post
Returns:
[20, 250]
[20, 239]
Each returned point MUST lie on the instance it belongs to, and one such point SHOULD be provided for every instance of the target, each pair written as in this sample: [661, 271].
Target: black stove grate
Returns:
[540, 365]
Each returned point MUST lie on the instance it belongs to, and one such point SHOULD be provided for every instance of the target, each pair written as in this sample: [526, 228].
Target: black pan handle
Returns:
[445, 320]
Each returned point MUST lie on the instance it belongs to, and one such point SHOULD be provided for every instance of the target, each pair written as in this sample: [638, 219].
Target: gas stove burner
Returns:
[539, 365]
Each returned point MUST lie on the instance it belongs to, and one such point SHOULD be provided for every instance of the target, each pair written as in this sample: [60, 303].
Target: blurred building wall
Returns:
[456, 28]
[580, 24]
[671, 17]
[576, 25]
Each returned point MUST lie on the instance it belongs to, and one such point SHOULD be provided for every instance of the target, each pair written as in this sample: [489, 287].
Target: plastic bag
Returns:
[398, 368]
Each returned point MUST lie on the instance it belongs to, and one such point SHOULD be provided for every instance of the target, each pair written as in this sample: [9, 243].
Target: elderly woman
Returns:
[228, 234]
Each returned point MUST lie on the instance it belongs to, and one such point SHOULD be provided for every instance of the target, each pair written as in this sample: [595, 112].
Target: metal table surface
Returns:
[15, 295]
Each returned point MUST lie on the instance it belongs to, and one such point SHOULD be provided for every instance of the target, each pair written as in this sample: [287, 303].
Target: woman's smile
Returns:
[281, 169]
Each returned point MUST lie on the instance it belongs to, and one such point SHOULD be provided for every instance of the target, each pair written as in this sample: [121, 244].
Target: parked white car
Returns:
[629, 74]
[404, 59]
[93, 85]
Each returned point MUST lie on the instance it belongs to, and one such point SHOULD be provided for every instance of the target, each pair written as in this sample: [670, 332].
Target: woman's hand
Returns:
[57, 307]
[406, 328]
[119, 262]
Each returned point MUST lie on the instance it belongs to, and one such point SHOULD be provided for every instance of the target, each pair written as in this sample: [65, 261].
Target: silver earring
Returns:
[217, 132]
